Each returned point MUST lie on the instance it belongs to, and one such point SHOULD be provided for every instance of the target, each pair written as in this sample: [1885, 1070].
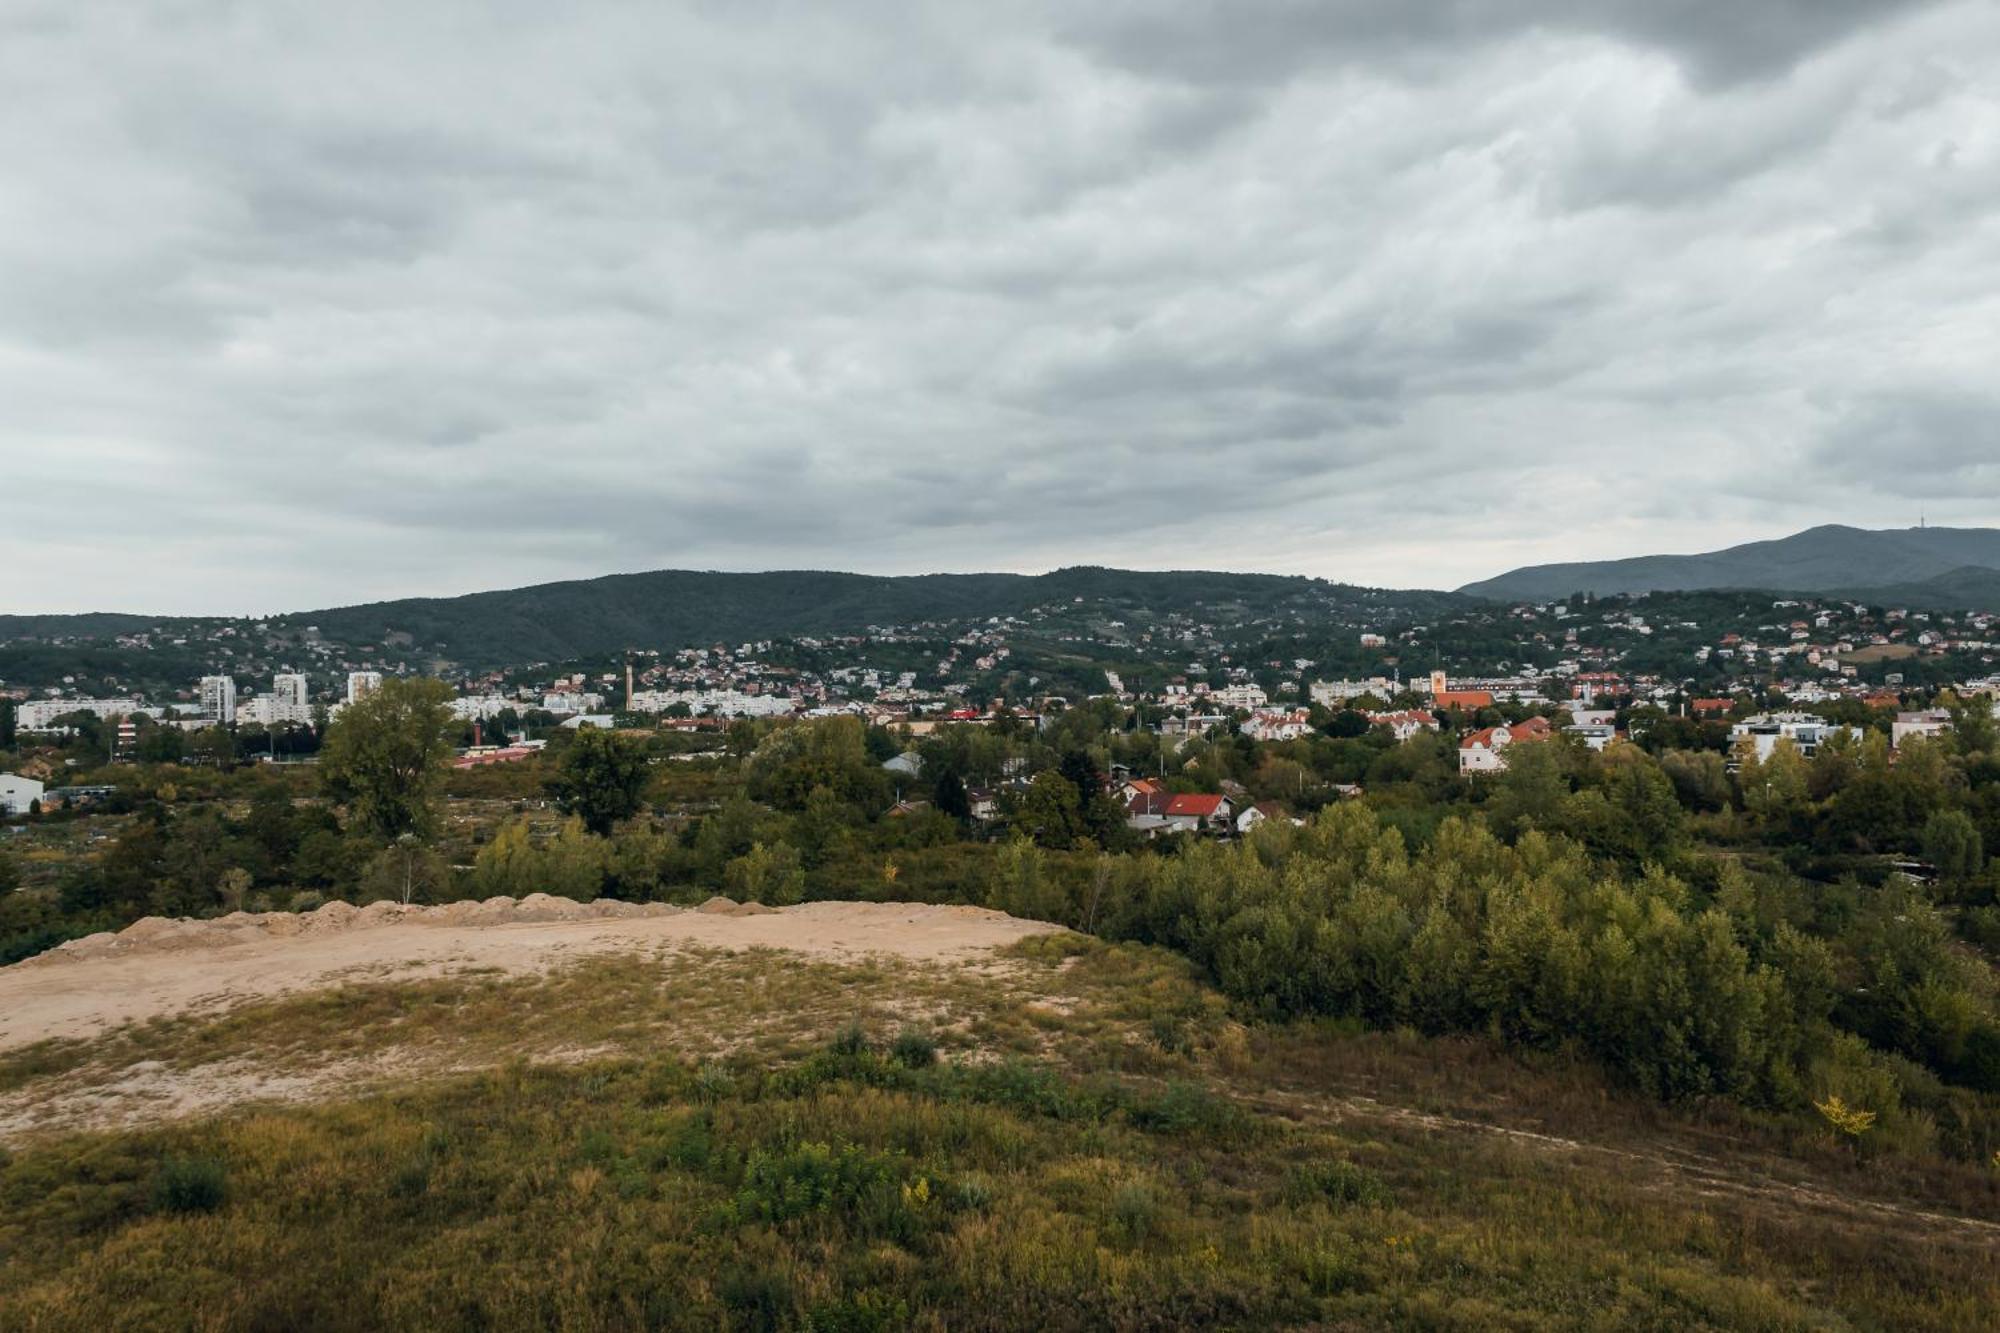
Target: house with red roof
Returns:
[1484, 751]
[1197, 813]
[1405, 724]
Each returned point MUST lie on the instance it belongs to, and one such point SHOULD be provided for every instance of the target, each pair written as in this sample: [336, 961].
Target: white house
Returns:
[1597, 735]
[1930, 722]
[1405, 724]
[1253, 815]
[1192, 813]
[18, 793]
[1803, 730]
[1484, 751]
[1272, 724]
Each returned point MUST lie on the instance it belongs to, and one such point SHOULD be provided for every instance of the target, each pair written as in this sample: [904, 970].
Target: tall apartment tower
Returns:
[218, 698]
[288, 688]
[361, 684]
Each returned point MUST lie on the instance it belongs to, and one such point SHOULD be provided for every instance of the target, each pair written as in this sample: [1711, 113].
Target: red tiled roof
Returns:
[1197, 806]
[1463, 699]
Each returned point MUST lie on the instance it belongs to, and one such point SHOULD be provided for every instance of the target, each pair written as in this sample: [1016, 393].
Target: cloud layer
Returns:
[307, 304]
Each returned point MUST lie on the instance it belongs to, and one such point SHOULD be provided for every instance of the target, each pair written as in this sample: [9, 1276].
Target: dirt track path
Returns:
[1683, 1170]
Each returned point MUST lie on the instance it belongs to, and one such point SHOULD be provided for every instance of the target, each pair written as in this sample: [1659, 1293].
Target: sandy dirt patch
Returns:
[157, 968]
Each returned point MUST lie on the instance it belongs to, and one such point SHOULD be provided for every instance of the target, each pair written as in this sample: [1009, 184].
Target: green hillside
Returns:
[671, 608]
[1831, 558]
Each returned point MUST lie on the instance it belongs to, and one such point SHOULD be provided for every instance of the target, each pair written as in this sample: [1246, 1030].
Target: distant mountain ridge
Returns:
[1944, 568]
[672, 608]
[554, 621]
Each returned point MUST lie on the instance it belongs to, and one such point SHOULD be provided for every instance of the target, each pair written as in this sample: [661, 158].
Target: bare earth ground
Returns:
[159, 969]
[173, 1019]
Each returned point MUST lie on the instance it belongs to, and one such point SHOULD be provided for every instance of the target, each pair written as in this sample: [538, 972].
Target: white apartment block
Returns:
[290, 690]
[1339, 693]
[1248, 697]
[218, 697]
[41, 714]
[361, 684]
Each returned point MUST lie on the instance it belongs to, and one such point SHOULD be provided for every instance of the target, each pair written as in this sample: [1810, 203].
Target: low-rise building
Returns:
[18, 793]
[1271, 724]
[1484, 751]
[1762, 733]
[1928, 722]
[1404, 725]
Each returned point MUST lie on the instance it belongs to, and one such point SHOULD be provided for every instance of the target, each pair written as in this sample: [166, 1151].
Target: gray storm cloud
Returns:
[306, 304]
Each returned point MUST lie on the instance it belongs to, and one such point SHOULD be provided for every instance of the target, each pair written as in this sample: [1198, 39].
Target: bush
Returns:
[851, 1040]
[913, 1049]
[1135, 1209]
[190, 1185]
[1184, 1108]
[1340, 1183]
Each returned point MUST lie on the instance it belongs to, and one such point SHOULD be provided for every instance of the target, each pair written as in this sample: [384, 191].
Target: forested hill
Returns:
[669, 608]
[1944, 568]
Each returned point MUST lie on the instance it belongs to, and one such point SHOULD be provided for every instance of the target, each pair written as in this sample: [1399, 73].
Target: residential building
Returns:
[1277, 725]
[1247, 697]
[1339, 693]
[1763, 732]
[41, 714]
[361, 684]
[1193, 813]
[1485, 751]
[1405, 724]
[291, 692]
[218, 697]
[1929, 722]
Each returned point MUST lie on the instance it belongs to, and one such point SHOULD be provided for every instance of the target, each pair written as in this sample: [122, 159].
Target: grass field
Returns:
[1076, 1136]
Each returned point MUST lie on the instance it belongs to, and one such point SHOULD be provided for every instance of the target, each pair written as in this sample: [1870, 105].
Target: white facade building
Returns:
[361, 684]
[218, 697]
[1239, 696]
[290, 690]
[1930, 722]
[1338, 693]
[1277, 725]
[41, 714]
[18, 793]
[1803, 730]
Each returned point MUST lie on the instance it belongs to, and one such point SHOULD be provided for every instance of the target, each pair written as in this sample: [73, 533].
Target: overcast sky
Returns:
[306, 304]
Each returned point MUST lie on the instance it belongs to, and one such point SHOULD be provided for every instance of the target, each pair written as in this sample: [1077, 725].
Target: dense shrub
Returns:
[190, 1185]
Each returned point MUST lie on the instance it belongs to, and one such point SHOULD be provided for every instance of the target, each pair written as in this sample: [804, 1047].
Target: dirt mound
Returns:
[156, 967]
[158, 934]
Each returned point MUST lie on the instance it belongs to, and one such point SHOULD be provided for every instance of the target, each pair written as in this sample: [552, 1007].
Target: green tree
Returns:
[386, 757]
[771, 875]
[602, 779]
[949, 797]
[1952, 844]
[1050, 811]
[10, 872]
